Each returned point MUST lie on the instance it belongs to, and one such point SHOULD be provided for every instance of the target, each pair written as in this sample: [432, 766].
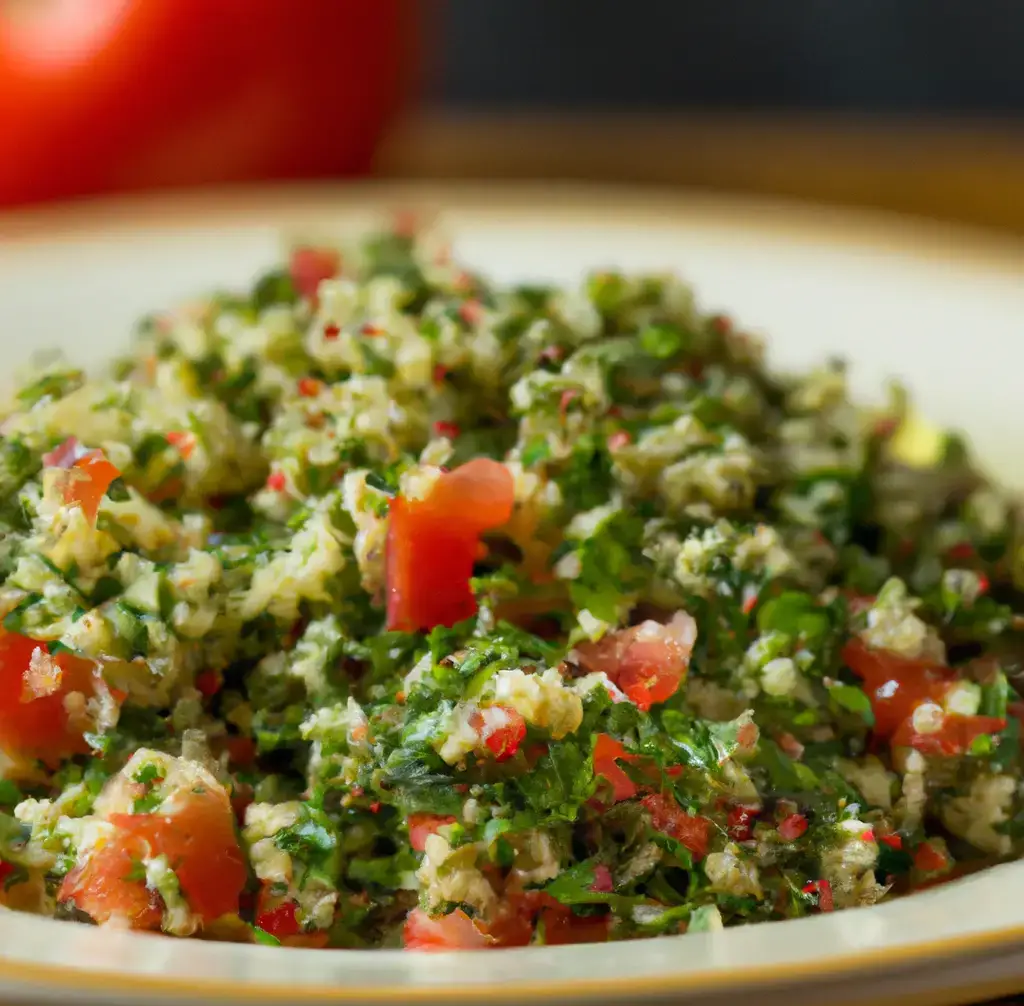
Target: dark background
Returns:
[918, 57]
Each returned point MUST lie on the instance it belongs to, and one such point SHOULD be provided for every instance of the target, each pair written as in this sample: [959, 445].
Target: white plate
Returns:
[940, 308]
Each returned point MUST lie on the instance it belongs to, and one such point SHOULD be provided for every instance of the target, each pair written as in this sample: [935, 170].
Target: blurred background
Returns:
[913, 105]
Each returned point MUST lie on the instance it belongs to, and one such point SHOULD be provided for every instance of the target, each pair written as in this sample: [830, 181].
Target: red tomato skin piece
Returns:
[432, 544]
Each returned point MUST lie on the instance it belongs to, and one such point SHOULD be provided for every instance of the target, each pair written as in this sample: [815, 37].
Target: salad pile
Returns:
[383, 606]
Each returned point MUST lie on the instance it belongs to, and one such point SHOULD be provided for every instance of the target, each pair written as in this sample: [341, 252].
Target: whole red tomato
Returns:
[99, 95]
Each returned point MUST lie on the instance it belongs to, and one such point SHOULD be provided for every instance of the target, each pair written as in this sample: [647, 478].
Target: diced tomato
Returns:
[87, 480]
[602, 880]
[184, 441]
[34, 719]
[196, 834]
[200, 844]
[648, 661]
[501, 728]
[308, 267]
[109, 885]
[894, 685]
[929, 859]
[432, 544]
[608, 752]
[792, 827]
[954, 736]
[893, 841]
[740, 823]
[455, 931]
[669, 818]
[276, 917]
[422, 826]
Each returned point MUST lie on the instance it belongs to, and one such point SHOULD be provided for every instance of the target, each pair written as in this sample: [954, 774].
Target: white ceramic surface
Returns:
[940, 308]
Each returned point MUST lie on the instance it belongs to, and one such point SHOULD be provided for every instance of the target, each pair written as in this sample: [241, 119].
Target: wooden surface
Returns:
[967, 172]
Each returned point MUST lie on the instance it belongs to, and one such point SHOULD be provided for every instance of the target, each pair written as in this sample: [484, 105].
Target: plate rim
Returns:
[298, 206]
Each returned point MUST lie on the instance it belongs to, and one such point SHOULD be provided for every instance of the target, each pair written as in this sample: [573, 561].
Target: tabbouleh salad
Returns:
[382, 606]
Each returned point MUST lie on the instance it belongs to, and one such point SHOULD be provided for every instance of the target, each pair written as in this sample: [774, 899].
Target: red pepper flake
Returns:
[276, 482]
[356, 791]
[442, 428]
[602, 880]
[618, 440]
[184, 441]
[310, 387]
[568, 397]
[332, 331]
[440, 373]
[867, 836]
[208, 683]
[400, 697]
[375, 807]
[893, 841]
[792, 827]
[983, 583]
[371, 330]
[749, 603]
[471, 312]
